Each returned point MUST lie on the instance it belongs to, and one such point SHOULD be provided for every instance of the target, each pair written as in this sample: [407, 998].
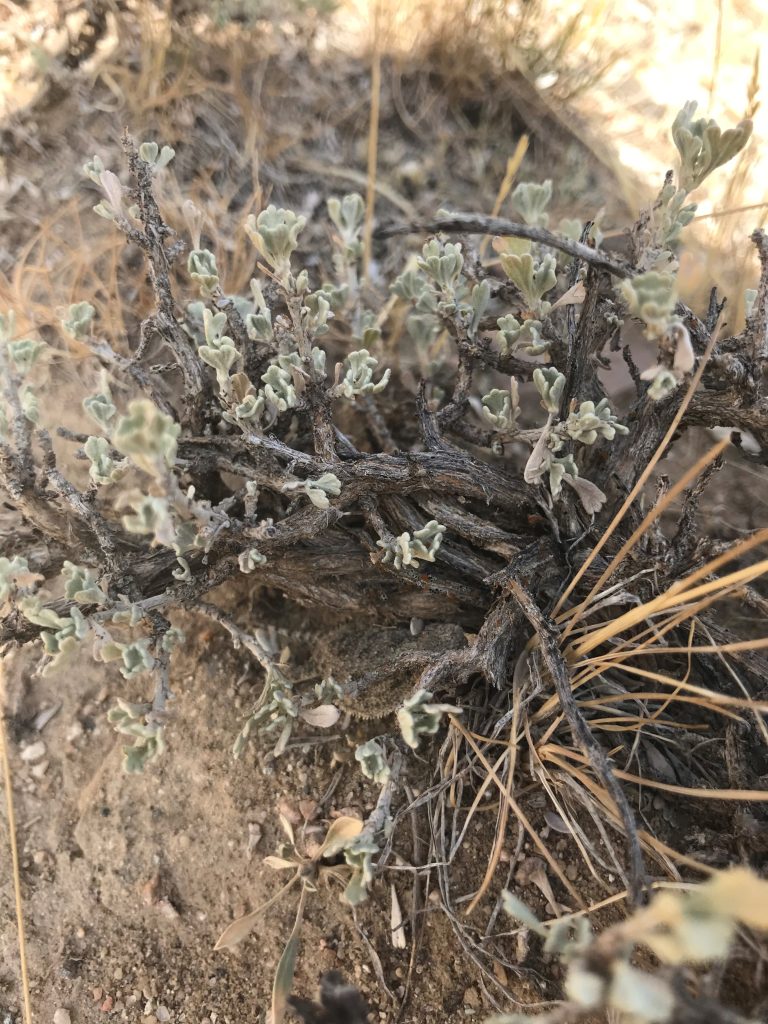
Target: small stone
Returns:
[472, 998]
[39, 770]
[163, 1014]
[289, 811]
[33, 752]
[117, 974]
[39, 856]
[167, 909]
[107, 1005]
[42, 718]
[80, 932]
[571, 872]
[74, 732]
[309, 809]
[97, 993]
[61, 1016]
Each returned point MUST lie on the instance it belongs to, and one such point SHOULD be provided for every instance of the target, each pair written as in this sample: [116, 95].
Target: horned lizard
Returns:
[377, 667]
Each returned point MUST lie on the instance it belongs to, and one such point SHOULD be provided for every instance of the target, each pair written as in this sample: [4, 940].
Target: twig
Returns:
[756, 334]
[549, 640]
[197, 386]
[478, 224]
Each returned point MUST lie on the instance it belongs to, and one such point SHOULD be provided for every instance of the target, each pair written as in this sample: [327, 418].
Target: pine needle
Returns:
[373, 141]
[8, 781]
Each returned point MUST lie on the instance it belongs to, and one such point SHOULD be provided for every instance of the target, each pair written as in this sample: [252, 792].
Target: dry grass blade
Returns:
[501, 826]
[671, 598]
[652, 516]
[757, 795]
[373, 140]
[664, 698]
[8, 784]
[243, 926]
[513, 166]
[518, 812]
[286, 968]
[711, 696]
[731, 211]
[666, 855]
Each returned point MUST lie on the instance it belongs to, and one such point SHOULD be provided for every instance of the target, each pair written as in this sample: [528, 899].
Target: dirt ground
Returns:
[127, 881]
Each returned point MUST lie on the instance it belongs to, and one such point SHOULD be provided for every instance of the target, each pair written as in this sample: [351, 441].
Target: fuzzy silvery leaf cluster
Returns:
[358, 377]
[703, 146]
[157, 158]
[591, 421]
[148, 740]
[78, 320]
[148, 437]
[421, 716]
[202, 268]
[695, 927]
[16, 578]
[652, 298]
[277, 711]
[348, 215]
[531, 200]
[373, 761]
[317, 490]
[532, 275]
[525, 336]
[442, 262]
[407, 550]
[359, 854]
[275, 233]
[501, 408]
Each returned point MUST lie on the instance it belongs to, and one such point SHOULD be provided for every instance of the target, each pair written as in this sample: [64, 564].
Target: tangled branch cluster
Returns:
[280, 439]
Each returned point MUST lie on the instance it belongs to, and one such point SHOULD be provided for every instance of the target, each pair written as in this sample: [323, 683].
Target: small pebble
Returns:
[39, 770]
[61, 1016]
[163, 1014]
[472, 998]
[33, 752]
[74, 732]
[42, 718]
[107, 1005]
[97, 994]
[118, 974]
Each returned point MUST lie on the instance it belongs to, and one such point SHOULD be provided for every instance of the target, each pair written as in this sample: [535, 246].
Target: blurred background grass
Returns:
[271, 98]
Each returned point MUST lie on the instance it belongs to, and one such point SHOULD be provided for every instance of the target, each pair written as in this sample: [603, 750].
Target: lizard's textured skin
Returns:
[378, 668]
